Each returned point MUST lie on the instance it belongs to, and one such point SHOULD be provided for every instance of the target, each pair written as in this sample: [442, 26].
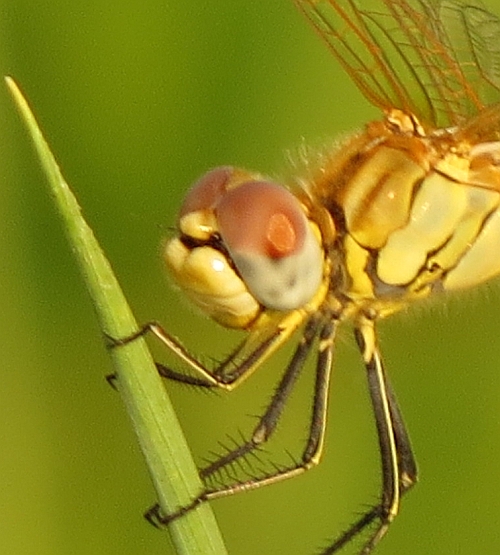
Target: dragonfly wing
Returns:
[436, 59]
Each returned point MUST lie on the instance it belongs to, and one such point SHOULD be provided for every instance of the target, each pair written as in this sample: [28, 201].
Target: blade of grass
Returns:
[167, 455]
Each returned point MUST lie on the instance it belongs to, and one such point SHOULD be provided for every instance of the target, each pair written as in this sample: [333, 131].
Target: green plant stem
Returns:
[167, 455]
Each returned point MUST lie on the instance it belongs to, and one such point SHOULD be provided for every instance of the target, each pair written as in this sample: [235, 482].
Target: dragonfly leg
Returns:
[399, 470]
[316, 327]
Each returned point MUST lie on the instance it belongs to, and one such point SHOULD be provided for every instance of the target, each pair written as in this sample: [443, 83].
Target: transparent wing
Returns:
[436, 59]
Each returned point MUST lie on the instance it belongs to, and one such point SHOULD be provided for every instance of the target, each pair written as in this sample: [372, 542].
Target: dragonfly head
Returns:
[244, 244]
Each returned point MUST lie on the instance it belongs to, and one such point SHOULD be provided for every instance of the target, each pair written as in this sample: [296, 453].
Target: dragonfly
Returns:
[405, 209]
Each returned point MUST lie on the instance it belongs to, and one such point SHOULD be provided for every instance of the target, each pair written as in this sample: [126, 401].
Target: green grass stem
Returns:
[167, 454]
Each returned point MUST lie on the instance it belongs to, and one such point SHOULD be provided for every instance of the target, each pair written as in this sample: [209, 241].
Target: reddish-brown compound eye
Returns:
[205, 193]
[271, 242]
[262, 218]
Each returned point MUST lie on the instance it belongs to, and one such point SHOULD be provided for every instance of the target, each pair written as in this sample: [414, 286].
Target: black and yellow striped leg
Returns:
[318, 327]
[399, 471]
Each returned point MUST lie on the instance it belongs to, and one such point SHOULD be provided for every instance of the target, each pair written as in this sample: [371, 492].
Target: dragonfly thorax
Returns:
[414, 213]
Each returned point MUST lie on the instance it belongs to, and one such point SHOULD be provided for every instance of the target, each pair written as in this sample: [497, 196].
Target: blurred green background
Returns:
[137, 99]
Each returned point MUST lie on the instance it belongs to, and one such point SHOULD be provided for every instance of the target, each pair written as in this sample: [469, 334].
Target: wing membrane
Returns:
[437, 59]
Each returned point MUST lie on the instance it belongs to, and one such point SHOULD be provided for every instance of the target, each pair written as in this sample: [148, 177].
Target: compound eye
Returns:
[271, 243]
[205, 193]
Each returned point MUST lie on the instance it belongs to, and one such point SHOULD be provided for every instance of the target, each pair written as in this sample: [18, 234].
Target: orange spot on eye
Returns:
[281, 237]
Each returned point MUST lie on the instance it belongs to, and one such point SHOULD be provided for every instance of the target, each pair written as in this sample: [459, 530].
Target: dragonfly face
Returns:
[406, 208]
[244, 244]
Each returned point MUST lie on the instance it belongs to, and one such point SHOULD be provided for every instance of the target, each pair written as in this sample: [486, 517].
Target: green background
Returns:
[137, 99]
